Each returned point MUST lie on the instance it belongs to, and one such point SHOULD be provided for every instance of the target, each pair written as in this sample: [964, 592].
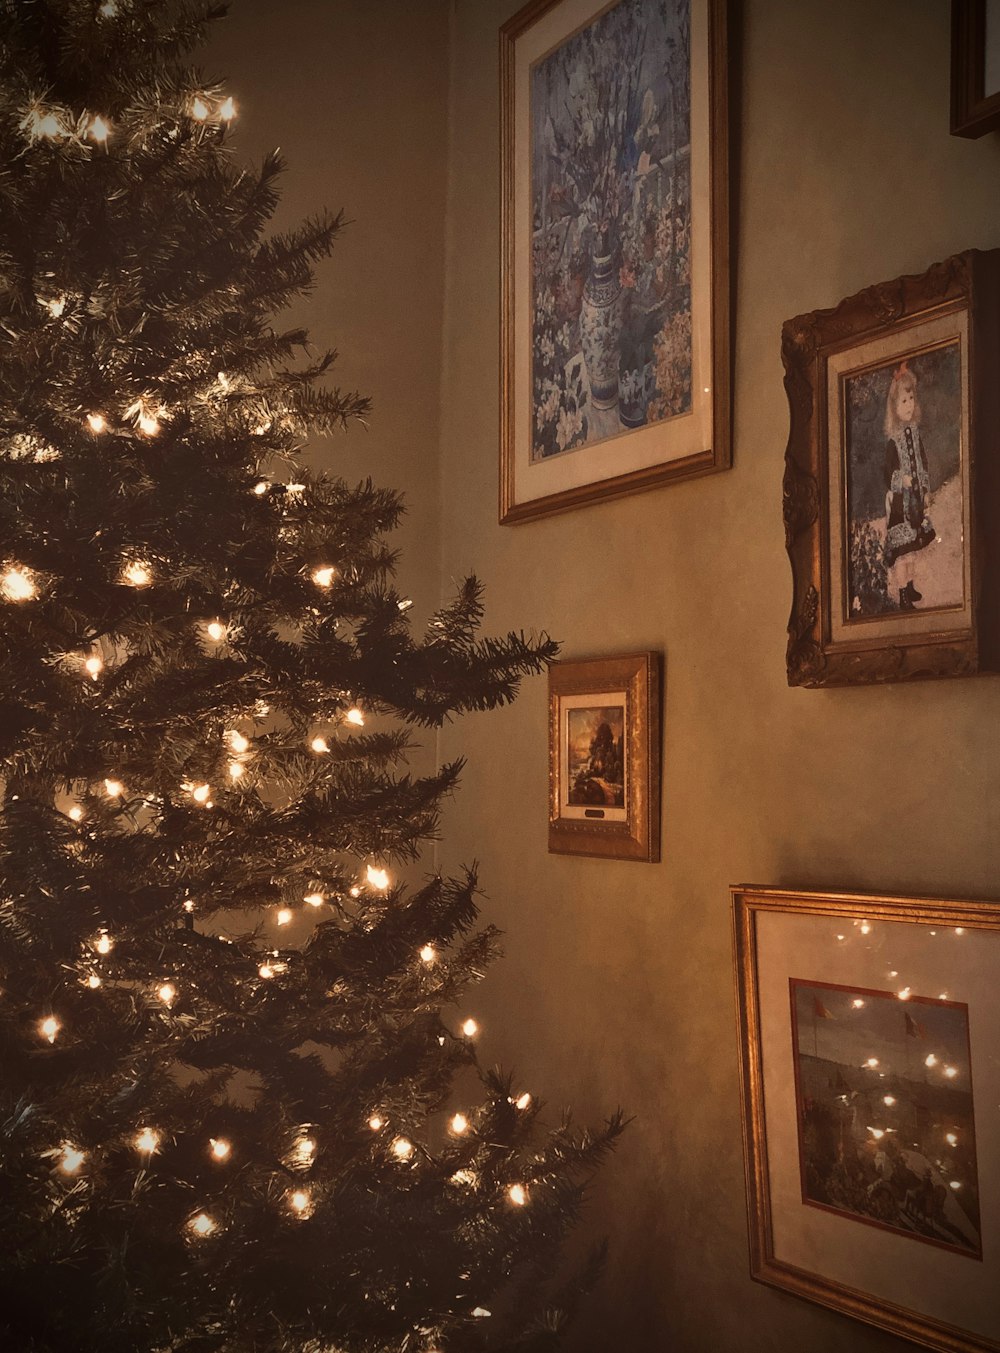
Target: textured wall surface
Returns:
[617, 986]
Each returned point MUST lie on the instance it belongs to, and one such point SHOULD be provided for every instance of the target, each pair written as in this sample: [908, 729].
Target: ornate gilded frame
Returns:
[965, 291]
[630, 681]
[974, 109]
[958, 942]
[662, 462]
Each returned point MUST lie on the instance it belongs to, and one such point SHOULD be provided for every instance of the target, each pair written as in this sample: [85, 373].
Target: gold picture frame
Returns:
[615, 286]
[604, 757]
[870, 1075]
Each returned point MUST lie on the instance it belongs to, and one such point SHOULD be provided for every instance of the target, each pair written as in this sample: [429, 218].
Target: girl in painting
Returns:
[908, 528]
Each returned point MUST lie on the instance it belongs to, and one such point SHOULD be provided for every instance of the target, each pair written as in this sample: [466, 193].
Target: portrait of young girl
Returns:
[904, 485]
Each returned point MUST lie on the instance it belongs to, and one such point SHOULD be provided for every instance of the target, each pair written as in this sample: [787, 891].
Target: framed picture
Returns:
[871, 1079]
[975, 67]
[892, 479]
[615, 250]
[604, 757]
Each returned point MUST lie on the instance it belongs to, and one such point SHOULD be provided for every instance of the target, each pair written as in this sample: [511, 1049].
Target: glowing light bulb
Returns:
[266, 971]
[199, 110]
[114, 788]
[872, 1062]
[38, 123]
[49, 1027]
[99, 129]
[377, 878]
[104, 943]
[954, 1184]
[904, 995]
[865, 927]
[858, 1003]
[304, 1150]
[167, 993]
[314, 899]
[17, 584]
[960, 930]
[97, 422]
[402, 1148]
[951, 1138]
[470, 1028]
[375, 1123]
[888, 1100]
[930, 1059]
[951, 1072]
[238, 742]
[236, 770]
[147, 1141]
[355, 891]
[284, 915]
[459, 1124]
[93, 981]
[355, 717]
[428, 954]
[216, 631]
[137, 573]
[220, 1148]
[300, 1202]
[189, 906]
[227, 110]
[202, 1225]
[93, 666]
[877, 1133]
[324, 576]
[523, 1101]
[75, 814]
[148, 425]
[320, 745]
[517, 1194]
[70, 1159]
[262, 485]
[201, 793]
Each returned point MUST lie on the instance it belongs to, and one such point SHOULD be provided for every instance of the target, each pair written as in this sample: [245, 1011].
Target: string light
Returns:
[137, 573]
[199, 110]
[459, 1124]
[284, 915]
[904, 995]
[93, 981]
[376, 1123]
[189, 906]
[865, 927]
[70, 1158]
[470, 1028]
[930, 1059]
[236, 770]
[38, 124]
[93, 666]
[355, 891]
[303, 1151]
[17, 584]
[228, 110]
[517, 1194]
[320, 745]
[324, 576]
[314, 899]
[99, 129]
[300, 1203]
[49, 1027]
[951, 1072]
[167, 993]
[266, 971]
[220, 1148]
[872, 1062]
[951, 1138]
[97, 422]
[147, 1141]
[402, 1148]
[523, 1101]
[355, 717]
[202, 1224]
[262, 485]
[238, 741]
[104, 943]
[75, 814]
[377, 878]
[201, 793]
[216, 631]
[888, 1100]
[115, 789]
[428, 954]
[149, 426]
[858, 1003]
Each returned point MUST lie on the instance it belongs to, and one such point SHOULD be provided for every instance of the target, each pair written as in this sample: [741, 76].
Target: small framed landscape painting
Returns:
[975, 67]
[604, 757]
[892, 479]
[871, 1079]
[615, 283]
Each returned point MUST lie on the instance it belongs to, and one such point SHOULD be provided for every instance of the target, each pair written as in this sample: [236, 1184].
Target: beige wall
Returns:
[617, 987]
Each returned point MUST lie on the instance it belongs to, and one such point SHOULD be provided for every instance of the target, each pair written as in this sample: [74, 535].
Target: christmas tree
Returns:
[240, 1105]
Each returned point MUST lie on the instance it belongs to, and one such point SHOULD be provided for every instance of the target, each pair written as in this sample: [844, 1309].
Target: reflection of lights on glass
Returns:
[877, 1133]
[951, 1138]
[930, 1059]
[888, 1100]
[954, 1184]
[872, 1062]
[904, 995]
[841, 937]
[960, 930]
[858, 1003]
[951, 1072]
[943, 996]
[865, 927]
[893, 972]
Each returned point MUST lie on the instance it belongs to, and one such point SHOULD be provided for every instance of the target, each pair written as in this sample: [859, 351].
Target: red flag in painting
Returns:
[820, 1010]
[913, 1027]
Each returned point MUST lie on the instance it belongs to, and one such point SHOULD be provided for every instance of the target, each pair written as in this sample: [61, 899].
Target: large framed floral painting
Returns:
[615, 297]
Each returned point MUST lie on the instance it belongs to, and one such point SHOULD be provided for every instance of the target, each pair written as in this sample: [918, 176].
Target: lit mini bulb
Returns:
[189, 906]
[951, 1072]
[888, 1100]
[236, 770]
[951, 1138]
[304, 1150]
[237, 741]
[428, 954]
[49, 1027]
[376, 1123]
[104, 943]
[523, 1101]
[137, 573]
[167, 993]
[402, 1148]
[38, 124]
[872, 1062]
[300, 1203]
[459, 1124]
[355, 891]
[147, 1141]
[227, 110]
[284, 916]
[93, 981]
[149, 426]
[377, 878]
[262, 485]
[114, 789]
[99, 129]
[355, 717]
[202, 1224]
[199, 110]
[470, 1028]
[314, 899]
[75, 814]
[220, 1148]
[324, 576]
[97, 422]
[857, 1003]
[17, 584]
[216, 631]
[201, 793]
[904, 995]
[93, 666]
[70, 1159]
[930, 1059]
[266, 971]
[320, 745]
[517, 1194]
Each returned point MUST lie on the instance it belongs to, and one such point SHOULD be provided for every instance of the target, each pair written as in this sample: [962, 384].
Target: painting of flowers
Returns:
[611, 325]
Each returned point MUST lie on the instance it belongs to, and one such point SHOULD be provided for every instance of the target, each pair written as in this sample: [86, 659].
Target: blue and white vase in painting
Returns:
[600, 328]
